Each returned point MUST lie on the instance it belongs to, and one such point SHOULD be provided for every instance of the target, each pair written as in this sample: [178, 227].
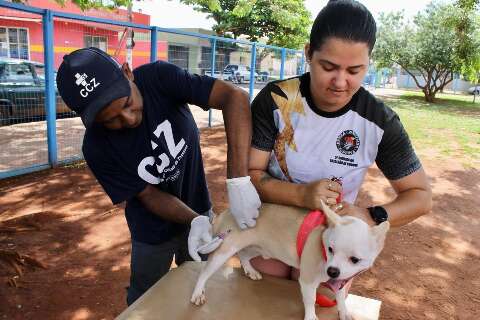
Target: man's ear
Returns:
[307, 51]
[127, 71]
[332, 218]
[380, 232]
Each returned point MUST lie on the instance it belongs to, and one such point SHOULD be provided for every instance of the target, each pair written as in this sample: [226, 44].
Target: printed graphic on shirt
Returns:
[344, 161]
[167, 168]
[348, 142]
[286, 106]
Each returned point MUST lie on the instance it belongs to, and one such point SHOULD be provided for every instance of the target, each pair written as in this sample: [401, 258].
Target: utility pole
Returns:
[130, 42]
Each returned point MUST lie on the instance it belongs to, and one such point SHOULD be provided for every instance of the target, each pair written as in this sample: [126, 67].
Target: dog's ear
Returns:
[380, 232]
[332, 218]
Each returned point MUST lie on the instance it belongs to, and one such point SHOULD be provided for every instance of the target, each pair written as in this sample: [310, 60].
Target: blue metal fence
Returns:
[219, 51]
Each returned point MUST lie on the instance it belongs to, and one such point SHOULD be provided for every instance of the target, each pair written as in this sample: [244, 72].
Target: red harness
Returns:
[312, 220]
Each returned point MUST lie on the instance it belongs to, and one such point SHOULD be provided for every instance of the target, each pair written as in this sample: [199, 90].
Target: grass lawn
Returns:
[448, 127]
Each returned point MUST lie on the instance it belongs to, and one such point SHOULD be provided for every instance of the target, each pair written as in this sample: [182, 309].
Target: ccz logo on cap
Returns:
[348, 142]
[87, 86]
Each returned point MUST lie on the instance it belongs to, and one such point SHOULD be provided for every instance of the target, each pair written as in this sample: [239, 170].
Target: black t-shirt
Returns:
[308, 144]
[164, 150]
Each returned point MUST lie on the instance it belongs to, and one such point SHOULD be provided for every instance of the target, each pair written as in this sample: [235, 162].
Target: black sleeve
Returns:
[183, 86]
[119, 182]
[263, 125]
[396, 157]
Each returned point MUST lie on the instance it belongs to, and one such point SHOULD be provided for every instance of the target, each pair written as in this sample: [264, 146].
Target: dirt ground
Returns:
[79, 244]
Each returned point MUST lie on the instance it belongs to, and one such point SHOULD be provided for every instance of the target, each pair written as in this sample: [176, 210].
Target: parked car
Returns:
[229, 70]
[263, 76]
[22, 92]
[217, 74]
[238, 73]
[474, 90]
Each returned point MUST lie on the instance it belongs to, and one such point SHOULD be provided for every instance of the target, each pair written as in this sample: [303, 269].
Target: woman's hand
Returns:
[324, 190]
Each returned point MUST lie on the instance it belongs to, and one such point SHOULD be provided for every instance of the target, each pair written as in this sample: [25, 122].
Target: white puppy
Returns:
[351, 247]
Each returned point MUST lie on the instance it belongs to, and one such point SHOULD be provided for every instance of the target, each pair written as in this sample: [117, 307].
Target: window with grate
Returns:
[14, 43]
[178, 55]
[99, 42]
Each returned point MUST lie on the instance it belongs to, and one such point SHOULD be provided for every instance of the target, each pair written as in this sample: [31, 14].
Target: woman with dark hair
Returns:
[315, 136]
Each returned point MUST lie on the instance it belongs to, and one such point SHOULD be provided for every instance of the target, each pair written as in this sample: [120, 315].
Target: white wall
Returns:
[407, 82]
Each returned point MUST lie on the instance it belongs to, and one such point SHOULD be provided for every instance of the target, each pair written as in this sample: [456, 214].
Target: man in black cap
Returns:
[142, 144]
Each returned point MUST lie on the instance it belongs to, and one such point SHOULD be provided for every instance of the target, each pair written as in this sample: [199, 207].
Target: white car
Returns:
[474, 90]
[239, 73]
[216, 74]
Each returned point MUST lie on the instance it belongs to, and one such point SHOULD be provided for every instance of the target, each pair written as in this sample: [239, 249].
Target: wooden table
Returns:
[231, 295]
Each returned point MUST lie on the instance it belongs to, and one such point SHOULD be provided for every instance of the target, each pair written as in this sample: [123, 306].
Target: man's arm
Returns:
[165, 205]
[414, 199]
[233, 102]
[170, 208]
[274, 190]
[242, 196]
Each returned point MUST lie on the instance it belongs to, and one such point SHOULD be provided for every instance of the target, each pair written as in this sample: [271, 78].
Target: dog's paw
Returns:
[198, 298]
[253, 274]
[345, 316]
[310, 317]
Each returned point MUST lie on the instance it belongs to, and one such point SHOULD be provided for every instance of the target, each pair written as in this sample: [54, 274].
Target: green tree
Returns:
[427, 49]
[468, 4]
[283, 23]
[467, 26]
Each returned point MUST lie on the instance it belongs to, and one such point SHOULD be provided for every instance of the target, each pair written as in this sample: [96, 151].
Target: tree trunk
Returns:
[260, 56]
[429, 94]
[431, 89]
[430, 97]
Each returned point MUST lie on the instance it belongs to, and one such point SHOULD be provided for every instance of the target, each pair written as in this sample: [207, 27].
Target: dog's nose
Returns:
[333, 272]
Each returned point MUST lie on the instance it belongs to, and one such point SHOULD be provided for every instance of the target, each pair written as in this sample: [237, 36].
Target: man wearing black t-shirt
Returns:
[142, 144]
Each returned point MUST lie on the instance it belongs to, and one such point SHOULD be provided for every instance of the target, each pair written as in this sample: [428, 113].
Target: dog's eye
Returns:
[330, 250]
[354, 260]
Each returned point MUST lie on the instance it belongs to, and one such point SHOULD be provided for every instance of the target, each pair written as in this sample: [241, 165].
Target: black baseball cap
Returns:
[88, 80]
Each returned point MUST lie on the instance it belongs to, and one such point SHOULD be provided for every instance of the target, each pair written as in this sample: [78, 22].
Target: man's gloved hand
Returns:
[200, 238]
[244, 201]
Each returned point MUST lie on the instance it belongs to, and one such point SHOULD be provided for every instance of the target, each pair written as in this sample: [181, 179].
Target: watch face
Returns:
[379, 214]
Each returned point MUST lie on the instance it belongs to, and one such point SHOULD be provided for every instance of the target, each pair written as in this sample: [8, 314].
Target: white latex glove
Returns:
[200, 238]
[244, 201]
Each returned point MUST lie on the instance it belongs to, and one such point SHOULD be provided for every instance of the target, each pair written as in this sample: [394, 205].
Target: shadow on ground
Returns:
[428, 270]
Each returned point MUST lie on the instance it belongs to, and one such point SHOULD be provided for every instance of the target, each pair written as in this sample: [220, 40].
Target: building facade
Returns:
[21, 34]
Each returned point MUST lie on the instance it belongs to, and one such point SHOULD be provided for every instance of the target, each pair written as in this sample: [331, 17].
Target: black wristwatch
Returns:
[378, 214]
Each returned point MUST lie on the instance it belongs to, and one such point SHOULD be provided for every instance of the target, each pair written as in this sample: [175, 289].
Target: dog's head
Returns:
[351, 245]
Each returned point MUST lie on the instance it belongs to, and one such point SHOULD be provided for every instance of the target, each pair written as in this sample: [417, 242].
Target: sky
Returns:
[173, 14]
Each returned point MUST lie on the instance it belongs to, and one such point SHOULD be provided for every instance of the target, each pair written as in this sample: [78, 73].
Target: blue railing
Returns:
[48, 17]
